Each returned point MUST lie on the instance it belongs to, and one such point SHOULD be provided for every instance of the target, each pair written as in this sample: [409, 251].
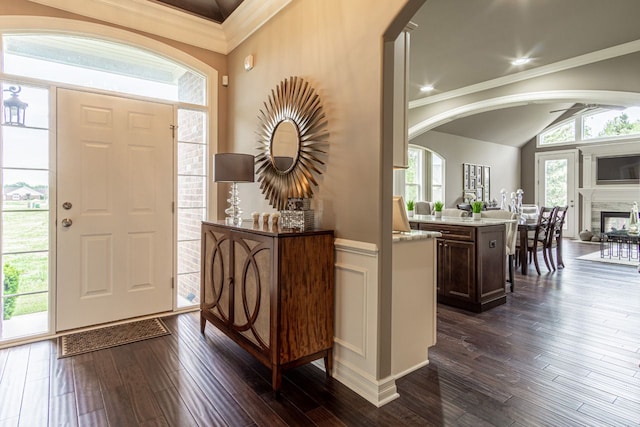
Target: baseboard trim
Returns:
[377, 392]
[411, 369]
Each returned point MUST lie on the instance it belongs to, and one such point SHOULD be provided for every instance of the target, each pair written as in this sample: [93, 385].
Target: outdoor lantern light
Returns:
[14, 108]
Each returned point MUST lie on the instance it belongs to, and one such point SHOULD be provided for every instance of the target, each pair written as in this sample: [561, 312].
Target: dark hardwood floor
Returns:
[563, 351]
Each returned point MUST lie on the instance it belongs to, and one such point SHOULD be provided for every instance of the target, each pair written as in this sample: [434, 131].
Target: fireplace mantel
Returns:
[611, 197]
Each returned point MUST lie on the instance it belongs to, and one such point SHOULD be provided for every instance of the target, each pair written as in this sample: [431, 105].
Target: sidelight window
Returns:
[26, 214]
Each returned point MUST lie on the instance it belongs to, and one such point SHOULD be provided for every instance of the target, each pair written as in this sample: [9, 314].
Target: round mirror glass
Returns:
[285, 144]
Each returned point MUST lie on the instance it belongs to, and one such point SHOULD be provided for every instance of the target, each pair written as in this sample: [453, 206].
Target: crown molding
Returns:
[248, 17]
[578, 61]
[164, 21]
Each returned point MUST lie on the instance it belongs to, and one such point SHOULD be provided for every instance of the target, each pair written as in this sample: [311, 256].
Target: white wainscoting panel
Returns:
[356, 322]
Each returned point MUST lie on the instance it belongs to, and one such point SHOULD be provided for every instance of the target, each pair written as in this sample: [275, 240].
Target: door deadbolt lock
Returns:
[67, 205]
[66, 222]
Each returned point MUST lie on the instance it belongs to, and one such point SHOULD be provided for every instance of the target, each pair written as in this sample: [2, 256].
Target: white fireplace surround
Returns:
[611, 197]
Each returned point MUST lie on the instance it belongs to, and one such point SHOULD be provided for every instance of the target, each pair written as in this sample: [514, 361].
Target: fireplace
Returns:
[597, 198]
[612, 221]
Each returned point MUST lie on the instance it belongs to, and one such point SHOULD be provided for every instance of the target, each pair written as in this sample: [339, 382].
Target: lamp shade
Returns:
[233, 167]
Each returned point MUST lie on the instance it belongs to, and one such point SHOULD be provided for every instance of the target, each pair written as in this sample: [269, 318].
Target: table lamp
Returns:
[233, 168]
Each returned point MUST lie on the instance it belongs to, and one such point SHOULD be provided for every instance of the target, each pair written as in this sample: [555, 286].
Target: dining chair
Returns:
[424, 208]
[555, 237]
[540, 239]
[450, 212]
[529, 213]
[511, 236]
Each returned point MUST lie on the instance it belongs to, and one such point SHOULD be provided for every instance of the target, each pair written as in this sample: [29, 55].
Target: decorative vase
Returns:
[438, 214]
[476, 216]
[410, 213]
[586, 235]
[633, 220]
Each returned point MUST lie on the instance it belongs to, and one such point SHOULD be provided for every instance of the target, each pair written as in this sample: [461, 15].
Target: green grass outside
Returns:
[28, 231]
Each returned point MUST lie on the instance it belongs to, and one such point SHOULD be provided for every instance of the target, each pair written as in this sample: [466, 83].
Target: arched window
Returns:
[101, 64]
[563, 132]
[424, 178]
[611, 123]
[590, 125]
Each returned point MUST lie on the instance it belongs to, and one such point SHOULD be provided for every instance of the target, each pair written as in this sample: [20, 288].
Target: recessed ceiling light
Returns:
[426, 88]
[521, 61]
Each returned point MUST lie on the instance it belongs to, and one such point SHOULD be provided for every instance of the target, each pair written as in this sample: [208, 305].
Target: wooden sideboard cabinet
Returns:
[271, 291]
[471, 264]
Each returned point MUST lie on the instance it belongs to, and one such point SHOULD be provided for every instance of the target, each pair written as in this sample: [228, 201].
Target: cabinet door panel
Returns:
[459, 270]
[442, 267]
[491, 264]
[215, 292]
[252, 276]
[306, 289]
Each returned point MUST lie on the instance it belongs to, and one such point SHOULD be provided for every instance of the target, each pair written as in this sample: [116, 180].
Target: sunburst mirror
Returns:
[292, 138]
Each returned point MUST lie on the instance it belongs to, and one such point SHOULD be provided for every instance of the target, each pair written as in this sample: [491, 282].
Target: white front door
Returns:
[114, 213]
[556, 183]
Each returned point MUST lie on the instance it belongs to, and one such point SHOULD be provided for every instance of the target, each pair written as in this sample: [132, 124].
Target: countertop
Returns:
[415, 235]
[459, 221]
[267, 229]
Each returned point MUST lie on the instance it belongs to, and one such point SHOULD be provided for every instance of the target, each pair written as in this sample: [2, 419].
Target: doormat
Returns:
[595, 256]
[111, 336]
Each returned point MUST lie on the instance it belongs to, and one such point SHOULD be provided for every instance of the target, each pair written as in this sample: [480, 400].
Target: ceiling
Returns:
[459, 43]
[214, 10]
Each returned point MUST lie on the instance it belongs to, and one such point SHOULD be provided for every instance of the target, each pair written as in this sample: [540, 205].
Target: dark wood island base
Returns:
[471, 262]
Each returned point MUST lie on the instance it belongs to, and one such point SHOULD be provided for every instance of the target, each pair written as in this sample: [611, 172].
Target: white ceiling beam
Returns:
[578, 61]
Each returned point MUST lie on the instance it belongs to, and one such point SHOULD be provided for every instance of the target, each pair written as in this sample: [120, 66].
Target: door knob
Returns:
[67, 222]
[67, 205]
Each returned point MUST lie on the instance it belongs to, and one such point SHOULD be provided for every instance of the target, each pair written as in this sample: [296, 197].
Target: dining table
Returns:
[524, 227]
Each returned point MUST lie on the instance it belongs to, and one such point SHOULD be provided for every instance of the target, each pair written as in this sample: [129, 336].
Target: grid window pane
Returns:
[191, 192]
[188, 289]
[611, 123]
[37, 111]
[562, 133]
[25, 148]
[25, 189]
[191, 126]
[556, 182]
[28, 317]
[189, 223]
[192, 88]
[25, 231]
[191, 159]
[30, 269]
[188, 256]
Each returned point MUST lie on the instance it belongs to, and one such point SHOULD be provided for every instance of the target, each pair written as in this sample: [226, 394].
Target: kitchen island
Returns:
[471, 260]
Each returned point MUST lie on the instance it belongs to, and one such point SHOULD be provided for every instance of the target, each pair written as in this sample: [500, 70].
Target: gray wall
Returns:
[456, 150]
